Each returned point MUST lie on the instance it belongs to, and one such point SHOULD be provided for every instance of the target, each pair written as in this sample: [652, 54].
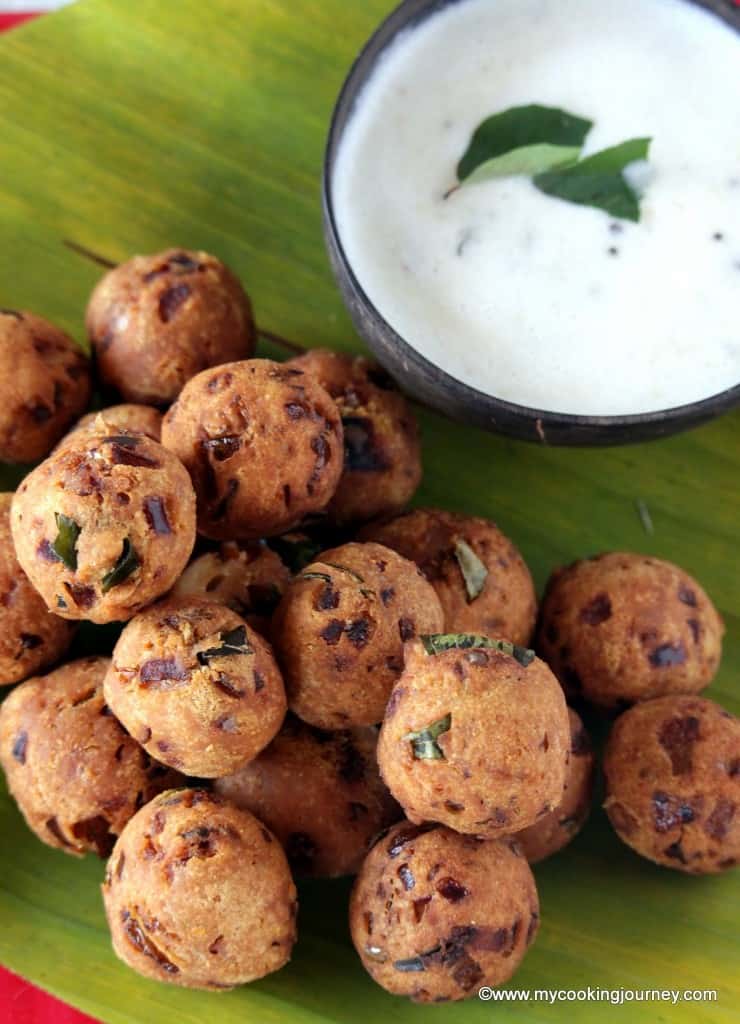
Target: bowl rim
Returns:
[405, 15]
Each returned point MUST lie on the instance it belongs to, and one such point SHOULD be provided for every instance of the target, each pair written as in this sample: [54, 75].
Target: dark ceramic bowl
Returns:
[423, 379]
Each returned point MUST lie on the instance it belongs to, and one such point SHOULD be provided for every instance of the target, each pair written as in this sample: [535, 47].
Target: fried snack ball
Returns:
[76, 775]
[46, 385]
[118, 419]
[619, 628]
[198, 893]
[320, 793]
[382, 451]
[104, 526]
[249, 578]
[340, 629]
[556, 829]
[263, 444]
[672, 771]
[196, 687]
[155, 321]
[475, 737]
[480, 577]
[435, 915]
[31, 638]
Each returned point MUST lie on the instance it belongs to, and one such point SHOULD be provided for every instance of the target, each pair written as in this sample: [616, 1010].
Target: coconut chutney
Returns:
[524, 296]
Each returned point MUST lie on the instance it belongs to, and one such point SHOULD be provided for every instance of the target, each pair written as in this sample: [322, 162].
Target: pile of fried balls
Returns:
[312, 680]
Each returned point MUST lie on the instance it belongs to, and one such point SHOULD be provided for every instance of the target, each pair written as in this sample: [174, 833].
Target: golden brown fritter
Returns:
[76, 775]
[672, 770]
[382, 451]
[128, 418]
[340, 629]
[157, 320]
[435, 915]
[474, 737]
[46, 381]
[620, 628]
[104, 526]
[320, 793]
[249, 578]
[480, 577]
[196, 687]
[263, 444]
[31, 638]
[556, 829]
[199, 894]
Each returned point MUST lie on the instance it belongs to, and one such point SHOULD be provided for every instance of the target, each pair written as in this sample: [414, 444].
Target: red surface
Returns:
[21, 1003]
[9, 20]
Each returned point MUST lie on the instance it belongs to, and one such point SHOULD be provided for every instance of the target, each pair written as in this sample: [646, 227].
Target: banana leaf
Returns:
[131, 126]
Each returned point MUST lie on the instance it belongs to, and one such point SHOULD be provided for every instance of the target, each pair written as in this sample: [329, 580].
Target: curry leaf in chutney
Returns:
[522, 140]
[599, 181]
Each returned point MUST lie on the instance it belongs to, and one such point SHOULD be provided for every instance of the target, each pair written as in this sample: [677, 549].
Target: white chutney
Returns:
[530, 298]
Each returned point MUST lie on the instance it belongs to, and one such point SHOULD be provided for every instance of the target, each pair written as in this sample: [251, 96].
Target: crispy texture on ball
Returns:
[76, 775]
[249, 578]
[435, 915]
[620, 628]
[198, 893]
[320, 793]
[473, 739]
[382, 451]
[556, 829]
[31, 638]
[196, 687]
[263, 444]
[104, 526]
[340, 629]
[46, 385]
[672, 771]
[118, 419]
[155, 321]
[496, 598]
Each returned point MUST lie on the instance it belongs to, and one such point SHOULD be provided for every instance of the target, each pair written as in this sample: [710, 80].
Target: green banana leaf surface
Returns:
[132, 125]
